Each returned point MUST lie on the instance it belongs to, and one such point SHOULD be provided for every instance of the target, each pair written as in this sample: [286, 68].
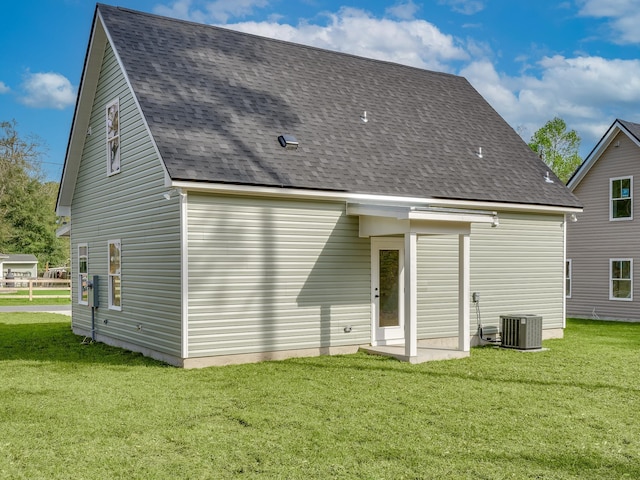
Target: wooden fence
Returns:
[10, 287]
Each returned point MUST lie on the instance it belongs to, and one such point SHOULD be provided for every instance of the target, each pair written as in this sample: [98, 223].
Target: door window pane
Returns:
[389, 295]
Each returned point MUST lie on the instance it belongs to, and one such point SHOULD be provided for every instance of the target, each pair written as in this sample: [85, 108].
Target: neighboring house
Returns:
[603, 244]
[240, 198]
[20, 265]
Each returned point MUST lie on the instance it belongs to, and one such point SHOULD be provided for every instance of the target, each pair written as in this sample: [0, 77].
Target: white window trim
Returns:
[109, 275]
[611, 180]
[568, 275]
[78, 277]
[611, 297]
[110, 172]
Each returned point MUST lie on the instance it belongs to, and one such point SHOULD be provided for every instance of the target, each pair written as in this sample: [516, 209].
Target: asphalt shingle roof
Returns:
[634, 128]
[216, 100]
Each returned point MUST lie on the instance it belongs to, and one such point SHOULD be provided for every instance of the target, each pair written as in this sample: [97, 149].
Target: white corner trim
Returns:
[184, 273]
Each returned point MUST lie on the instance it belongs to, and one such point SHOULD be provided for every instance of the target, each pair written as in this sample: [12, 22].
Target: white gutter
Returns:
[363, 197]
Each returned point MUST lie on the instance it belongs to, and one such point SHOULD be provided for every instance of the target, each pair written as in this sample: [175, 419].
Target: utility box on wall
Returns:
[523, 332]
[94, 291]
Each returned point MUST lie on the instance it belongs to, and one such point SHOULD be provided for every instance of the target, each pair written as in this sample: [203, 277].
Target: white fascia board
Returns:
[598, 150]
[81, 117]
[229, 189]
[63, 211]
[594, 155]
[64, 230]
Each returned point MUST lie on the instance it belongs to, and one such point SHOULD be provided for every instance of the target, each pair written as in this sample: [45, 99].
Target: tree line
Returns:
[557, 147]
[27, 202]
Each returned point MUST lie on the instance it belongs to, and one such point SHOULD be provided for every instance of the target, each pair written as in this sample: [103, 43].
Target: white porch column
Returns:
[464, 291]
[411, 294]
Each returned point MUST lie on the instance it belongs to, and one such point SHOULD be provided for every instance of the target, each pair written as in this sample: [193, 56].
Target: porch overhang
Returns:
[381, 220]
[412, 222]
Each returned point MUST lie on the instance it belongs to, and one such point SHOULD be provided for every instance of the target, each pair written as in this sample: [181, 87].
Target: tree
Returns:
[27, 205]
[557, 147]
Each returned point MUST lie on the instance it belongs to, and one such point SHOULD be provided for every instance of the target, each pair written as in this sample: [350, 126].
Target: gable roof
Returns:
[632, 130]
[216, 100]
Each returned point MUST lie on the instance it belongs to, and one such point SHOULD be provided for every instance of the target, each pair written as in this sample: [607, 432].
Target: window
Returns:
[567, 278]
[83, 274]
[115, 293]
[113, 137]
[621, 275]
[621, 198]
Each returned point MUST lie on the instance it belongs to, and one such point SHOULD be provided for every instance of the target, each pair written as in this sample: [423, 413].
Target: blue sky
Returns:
[531, 60]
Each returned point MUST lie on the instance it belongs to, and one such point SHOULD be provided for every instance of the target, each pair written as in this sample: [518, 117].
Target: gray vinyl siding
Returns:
[128, 207]
[593, 240]
[437, 286]
[517, 268]
[269, 275]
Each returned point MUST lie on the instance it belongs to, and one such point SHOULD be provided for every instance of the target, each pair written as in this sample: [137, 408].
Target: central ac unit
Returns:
[523, 332]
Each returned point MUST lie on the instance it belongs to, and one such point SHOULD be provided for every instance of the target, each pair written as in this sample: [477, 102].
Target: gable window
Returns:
[115, 289]
[83, 274]
[567, 278]
[113, 137]
[621, 198]
[621, 279]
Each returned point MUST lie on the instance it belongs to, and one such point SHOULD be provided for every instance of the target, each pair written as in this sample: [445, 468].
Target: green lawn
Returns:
[10, 302]
[94, 412]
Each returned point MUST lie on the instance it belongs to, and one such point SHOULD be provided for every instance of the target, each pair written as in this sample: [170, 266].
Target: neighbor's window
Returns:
[113, 137]
[115, 290]
[621, 275]
[83, 277]
[621, 198]
[567, 277]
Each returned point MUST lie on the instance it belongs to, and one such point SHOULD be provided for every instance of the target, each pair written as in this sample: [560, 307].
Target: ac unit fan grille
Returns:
[522, 332]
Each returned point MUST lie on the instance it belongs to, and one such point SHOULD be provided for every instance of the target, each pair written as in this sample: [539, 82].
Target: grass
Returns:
[45, 291]
[11, 302]
[91, 411]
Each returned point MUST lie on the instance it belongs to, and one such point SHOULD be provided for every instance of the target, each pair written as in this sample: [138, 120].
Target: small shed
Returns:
[20, 265]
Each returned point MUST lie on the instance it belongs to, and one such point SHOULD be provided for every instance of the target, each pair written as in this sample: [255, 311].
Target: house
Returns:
[20, 265]
[235, 198]
[603, 243]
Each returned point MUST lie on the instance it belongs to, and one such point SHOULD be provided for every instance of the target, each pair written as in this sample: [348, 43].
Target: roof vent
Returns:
[547, 178]
[288, 141]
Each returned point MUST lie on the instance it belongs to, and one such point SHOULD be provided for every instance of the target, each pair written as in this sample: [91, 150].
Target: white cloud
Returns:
[411, 42]
[48, 90]
[587, 92]
[466, 7]
[4, 88]
[209, 12]
[606, 8]
[180, 9]
[624, 17]
[405, 11]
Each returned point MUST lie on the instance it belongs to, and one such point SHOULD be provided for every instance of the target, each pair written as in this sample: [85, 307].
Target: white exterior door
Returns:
[387, 291]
